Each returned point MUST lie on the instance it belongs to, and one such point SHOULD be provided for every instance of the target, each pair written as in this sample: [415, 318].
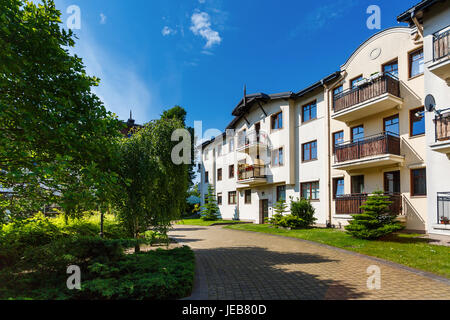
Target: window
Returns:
[338, 138]
[418, 182]
[357, 184]
[277, 121]
[231, 171]
[416, 122]
[231, 144]
[357, 133]
[310, 190]
[277, 157]
[248, 196]
[219, 198]
[309, 151]
[219, 150]
[232, 197]
[338, 187]
[391, 68]
[206, 177]
[338, 90]
[390, 124]
[354, 81]
[416, 63]
[219, 174]
[309, 111]
[281, 193]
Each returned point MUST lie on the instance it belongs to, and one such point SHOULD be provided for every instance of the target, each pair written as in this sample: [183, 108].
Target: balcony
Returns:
[373, 151]
[251, 174]
[351, 203]
[442, 133]
[441, 54]
[252, 142]
[371, 96]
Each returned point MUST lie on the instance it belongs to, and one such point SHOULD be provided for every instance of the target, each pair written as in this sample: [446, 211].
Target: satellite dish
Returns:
[430, 104]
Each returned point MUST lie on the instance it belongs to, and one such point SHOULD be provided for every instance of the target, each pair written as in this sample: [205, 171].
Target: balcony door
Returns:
[357, 184]
[392, 182]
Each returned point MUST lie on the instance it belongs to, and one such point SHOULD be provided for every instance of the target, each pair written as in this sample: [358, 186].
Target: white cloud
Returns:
[201, 26]
[167, 31]
[201, 1]
[102, 18]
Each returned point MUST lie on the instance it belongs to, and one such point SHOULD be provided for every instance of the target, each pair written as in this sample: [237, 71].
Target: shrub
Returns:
[375, 221]
[303, 209]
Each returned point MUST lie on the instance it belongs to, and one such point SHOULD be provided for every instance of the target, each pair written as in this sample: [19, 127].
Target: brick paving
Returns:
[234, 264]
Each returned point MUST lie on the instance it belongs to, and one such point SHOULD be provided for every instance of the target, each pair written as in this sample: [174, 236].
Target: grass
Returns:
[406, 249]
[200, 222]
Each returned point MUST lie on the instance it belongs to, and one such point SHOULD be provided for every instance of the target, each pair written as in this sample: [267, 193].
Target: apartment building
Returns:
[361, 129]
[432, 21]
[377, 128]
[275, 148]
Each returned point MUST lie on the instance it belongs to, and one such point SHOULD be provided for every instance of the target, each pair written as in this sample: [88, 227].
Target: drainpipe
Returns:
[326, 92]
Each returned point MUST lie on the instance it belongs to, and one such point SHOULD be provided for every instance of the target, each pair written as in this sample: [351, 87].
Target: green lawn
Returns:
[200, 222]
[406, 249]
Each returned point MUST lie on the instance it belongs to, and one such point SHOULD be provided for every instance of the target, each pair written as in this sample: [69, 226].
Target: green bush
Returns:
[376, 221]
[304, 211]
[154, 275]
[107, 273]
[301, 216]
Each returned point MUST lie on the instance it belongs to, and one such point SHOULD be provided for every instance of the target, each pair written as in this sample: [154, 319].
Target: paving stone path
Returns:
[234, 264]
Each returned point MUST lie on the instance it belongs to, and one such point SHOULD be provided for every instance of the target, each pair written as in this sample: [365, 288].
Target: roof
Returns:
[243, 106]
[417, 10]
[318, 84]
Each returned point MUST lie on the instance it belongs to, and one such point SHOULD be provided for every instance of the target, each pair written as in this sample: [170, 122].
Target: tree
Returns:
[280, 207]
[152, 188]
[376, 220]
[56, 136]
[210, 210]
[180, 113]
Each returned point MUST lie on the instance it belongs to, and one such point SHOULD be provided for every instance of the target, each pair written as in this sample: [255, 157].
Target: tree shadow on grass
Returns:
[257, 273]
[407, 238]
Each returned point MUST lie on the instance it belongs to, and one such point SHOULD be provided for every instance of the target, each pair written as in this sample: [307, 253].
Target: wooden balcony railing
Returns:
[442, 127]
[384, 143]
[246, 172]
[385, 83]
[351, 203]
[441, 45]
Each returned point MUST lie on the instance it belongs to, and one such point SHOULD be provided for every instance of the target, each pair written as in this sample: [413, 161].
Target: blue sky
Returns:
[152, 55]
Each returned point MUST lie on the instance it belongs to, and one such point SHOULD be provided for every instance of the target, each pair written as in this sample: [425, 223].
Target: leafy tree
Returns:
[180, 113]
[152, 188]
[376, 220]
[56, 136]
[210, 210]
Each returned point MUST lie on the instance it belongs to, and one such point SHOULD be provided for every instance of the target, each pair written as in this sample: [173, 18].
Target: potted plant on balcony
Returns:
[445, 220]
[375, 75]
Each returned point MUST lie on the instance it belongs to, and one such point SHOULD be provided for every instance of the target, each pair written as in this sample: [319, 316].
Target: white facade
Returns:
[290, 175]
[437, 81]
